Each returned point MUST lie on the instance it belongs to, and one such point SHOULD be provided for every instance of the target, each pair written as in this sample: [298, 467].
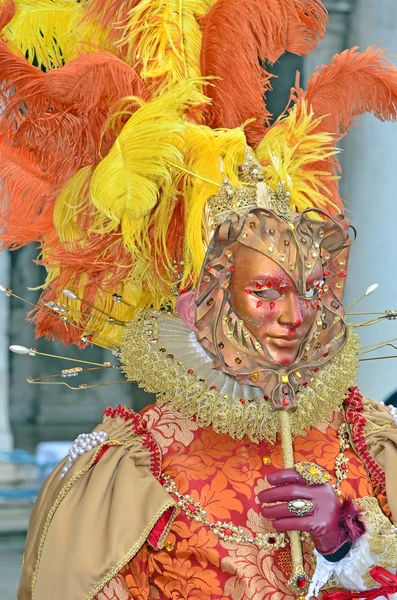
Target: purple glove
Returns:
[331, 523]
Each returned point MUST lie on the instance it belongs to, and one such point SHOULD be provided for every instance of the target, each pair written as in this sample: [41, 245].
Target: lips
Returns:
[284, 341]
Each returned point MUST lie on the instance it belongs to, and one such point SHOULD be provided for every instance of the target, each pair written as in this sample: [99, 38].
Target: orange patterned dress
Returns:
[224, 476]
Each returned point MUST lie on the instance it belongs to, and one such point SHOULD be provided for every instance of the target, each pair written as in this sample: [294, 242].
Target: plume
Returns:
[352, 84]
[25, 197]
[164, 38]
[237, 38]
[125, 185]
[45, 30]
[297, 151]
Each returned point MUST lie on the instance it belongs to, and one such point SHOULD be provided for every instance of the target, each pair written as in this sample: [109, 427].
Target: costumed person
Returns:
[207, 249]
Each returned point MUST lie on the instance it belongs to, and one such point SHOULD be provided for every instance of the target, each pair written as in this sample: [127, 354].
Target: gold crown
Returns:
[252, 193]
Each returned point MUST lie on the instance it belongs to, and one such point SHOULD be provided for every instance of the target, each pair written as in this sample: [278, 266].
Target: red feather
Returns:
[236, 35]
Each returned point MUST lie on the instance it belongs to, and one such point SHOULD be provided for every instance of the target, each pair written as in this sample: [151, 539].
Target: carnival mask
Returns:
[268, 306]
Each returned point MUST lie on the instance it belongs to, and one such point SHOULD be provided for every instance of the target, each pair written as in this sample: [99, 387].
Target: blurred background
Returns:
[38, 423]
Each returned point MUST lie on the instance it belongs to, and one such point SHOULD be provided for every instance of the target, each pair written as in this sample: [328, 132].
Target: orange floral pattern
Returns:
[225, 476]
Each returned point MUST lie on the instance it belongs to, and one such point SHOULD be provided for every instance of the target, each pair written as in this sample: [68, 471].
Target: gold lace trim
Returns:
[382, 536]
[147, 362]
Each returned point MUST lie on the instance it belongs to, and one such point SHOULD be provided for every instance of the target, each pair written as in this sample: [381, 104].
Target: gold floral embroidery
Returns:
[382, 536]
[143, 355]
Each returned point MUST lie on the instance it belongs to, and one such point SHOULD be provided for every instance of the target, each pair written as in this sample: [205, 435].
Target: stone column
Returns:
[369, 184]
[5, 430]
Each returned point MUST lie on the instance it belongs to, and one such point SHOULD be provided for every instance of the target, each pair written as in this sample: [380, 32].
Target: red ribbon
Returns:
[387, 581]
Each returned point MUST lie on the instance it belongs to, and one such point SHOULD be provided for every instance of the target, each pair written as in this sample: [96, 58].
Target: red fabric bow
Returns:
[387, 581]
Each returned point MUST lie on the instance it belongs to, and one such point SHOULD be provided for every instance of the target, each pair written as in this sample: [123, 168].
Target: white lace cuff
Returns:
[349, 571]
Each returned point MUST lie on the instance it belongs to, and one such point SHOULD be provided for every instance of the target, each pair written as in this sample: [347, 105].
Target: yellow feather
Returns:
[163, 38]
[45, 30]
[125, 185]
[289, 152]
[205, 148]
[71, 202]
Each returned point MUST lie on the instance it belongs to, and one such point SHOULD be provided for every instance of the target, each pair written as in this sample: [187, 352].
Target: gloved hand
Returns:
[332, 524]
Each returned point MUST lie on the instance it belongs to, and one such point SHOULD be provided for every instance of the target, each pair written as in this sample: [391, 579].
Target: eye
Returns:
[268, 294]
[311, 292]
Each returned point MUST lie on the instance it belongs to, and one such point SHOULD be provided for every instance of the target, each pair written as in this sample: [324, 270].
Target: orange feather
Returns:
[235, 36]
[352, 84]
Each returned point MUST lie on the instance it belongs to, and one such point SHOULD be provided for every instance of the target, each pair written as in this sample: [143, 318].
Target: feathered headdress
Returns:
[110, 150]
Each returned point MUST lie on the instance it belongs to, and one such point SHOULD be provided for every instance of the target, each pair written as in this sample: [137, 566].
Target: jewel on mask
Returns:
[271, 248]
[272, 231]
[282, 257]
[232, 268]
[248, 291]
[210, 302]
[272, 305]
[306, 304]
[342, 274]
[213, 387]
[269, 285]
[258, 286]
[335, 304]
[258, 304]
[252, 225]
[237, 360]
[229, 254]
[315, 304]
[282, 287]
[326, 273]
[207, 279]
[242, 400]
[221, 345]
[254, 377]
[285, 402]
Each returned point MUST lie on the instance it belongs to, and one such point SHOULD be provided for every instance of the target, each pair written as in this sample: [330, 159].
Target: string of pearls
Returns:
[83, 443]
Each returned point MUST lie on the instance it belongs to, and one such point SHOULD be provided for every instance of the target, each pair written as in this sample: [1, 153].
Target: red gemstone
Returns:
[183, 291]
[326, 273]
[242, 400]
[213, 387]
[191, 507]
[316, 370]
[190, 371]
[258, 286]
[272, 305]
[342, 274]
[258, 304]
[248, 291]
[232, 268]
[162, 480]
[285, 402]
[282, 287]
[266, 397]
[170, 355]
[228, 532]
[306, 304]
[301, 581]
[271, 540]
[343, 465]
[315, 304]
[269, 284]
[326, 354]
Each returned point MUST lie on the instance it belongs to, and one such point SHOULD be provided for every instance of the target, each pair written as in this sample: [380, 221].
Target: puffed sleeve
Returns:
[96, 511]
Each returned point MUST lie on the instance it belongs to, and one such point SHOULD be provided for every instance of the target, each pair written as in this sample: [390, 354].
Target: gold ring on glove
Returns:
[300, 507]
[312, 473]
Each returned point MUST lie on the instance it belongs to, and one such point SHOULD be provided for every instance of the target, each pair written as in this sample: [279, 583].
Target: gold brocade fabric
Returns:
[147, 360]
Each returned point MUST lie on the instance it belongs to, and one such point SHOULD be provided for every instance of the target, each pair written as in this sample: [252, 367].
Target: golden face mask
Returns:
[308, 262]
